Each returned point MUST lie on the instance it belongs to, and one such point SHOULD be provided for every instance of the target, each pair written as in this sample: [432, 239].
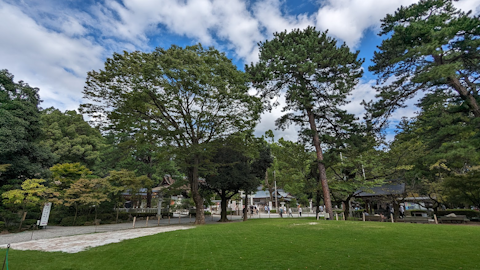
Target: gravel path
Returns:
[78, 238]
[77, 243]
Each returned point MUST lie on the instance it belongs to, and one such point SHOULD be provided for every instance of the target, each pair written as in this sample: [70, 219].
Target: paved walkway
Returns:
[59, 231]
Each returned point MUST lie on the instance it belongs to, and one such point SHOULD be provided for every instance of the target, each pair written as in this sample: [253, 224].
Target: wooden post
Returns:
[435, 217]
[363, 216]
[190, 219]
[336, 216]
[21, 221]
[158, 220]
[179, 217]
[168, 219]
[146, 223]
[391, 216]
[343, 216]
[134, 219]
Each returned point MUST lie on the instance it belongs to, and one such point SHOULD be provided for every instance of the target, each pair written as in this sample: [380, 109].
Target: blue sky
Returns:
[52, 44]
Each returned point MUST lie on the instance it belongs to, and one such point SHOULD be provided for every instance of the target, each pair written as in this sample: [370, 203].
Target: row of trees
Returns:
[187, 112]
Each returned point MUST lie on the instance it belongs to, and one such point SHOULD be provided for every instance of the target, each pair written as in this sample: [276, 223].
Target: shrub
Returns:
[2, 224]
[467, 212]
[66, 221]
[122, 216]
[29, 222]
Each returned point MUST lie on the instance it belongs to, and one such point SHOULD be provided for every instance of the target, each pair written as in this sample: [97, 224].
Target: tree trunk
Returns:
[245, 209]
[76, 211]
[465, 95]
[321, 167]
[149, 190]
[116, 219]
[270, 189]
[223, 214]
[346, 207]
[197, 197]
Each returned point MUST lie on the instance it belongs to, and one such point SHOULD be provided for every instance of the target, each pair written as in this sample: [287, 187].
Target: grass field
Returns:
[278, 244]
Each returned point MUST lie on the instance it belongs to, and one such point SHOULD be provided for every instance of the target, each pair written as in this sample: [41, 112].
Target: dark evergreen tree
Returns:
[430, 46]
[20, 131]
[316, 77]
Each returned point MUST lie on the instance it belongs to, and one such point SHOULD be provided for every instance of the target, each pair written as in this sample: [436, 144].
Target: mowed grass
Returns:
[278, 244]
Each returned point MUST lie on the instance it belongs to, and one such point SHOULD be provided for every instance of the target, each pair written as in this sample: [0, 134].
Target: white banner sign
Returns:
[45, 214]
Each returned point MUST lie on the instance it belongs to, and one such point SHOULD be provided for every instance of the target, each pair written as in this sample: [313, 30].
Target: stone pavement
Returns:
[59, 231]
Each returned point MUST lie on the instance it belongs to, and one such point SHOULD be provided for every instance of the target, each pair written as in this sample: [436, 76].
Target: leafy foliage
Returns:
[186, 97]
[316, 77]
[70, 138]
[430, 46]
[19, 132]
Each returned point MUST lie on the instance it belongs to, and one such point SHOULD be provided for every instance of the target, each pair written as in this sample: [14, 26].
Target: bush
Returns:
[122, 216]
[2, 224]
[68, 221]
[467, 212]
[33, 215]
[29, 222]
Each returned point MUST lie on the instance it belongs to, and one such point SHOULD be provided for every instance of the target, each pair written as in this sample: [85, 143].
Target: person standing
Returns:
[281, 212]
[300, 210]
[402, 211]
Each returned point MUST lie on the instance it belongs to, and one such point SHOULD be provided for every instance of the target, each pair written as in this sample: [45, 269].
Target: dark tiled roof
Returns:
[387, 189]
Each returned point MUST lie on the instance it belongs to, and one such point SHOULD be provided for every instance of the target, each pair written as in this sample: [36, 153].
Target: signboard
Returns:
[45, 214]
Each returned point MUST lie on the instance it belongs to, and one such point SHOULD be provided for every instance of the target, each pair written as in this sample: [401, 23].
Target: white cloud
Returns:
[54, 62]
[269, 14]
[362, 91]
[267, 122]
[467, 5]
[201, 20]
[348, 19]
[52, 45]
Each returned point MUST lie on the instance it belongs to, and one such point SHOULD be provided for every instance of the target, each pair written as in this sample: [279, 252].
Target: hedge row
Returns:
[467, 212]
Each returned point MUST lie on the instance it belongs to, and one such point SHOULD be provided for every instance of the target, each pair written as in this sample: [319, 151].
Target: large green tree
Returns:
[429, 46]
[438, 147]
[231, 171]
[316, 76]
[70, 137]
[142, 152]
[20, 130]
[189, 96]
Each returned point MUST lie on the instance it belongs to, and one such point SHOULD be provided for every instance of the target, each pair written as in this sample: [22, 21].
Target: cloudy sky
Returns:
[52, 44]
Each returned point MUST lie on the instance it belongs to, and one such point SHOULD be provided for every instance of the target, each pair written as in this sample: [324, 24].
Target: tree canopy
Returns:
[429, 46]
[19, 132]
[70, 138]
[188, 96]
[316, 76]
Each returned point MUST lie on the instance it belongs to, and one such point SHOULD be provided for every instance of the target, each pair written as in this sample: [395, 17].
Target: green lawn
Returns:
[278, 244]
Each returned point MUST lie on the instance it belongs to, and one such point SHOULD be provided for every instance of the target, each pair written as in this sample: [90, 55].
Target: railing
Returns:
[137, 210]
